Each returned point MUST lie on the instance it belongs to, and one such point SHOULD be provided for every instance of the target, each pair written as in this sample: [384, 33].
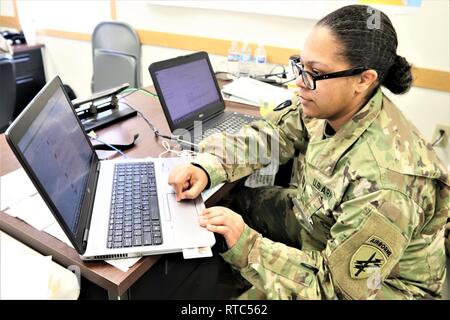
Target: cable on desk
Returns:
[152, 127]
[130, 91]
[168, 149]
[158, 134]
[93, 136]
[179, 153]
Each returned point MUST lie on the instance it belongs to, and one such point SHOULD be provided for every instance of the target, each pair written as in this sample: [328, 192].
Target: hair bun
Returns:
[399, 77]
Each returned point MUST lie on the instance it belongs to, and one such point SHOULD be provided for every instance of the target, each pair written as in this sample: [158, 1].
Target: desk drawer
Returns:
[26, 88]
[28, 61]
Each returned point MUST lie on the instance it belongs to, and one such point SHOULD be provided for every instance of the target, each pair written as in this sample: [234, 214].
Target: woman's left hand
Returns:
[224, 221]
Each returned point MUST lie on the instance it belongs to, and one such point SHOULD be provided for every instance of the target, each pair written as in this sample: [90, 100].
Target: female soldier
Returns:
[366, 217]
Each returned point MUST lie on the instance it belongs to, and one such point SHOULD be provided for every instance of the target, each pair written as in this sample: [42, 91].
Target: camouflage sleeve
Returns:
[366, 243]
[447, 238]
[271, 140]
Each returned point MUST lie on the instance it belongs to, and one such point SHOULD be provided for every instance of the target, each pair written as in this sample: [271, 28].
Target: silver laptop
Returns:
[108, 209]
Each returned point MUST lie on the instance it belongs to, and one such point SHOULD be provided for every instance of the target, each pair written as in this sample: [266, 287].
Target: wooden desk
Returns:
[104, 275]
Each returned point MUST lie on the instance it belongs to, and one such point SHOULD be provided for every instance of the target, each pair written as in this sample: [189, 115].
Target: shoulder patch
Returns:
[380, 244]
[369, 258]
[364, 259]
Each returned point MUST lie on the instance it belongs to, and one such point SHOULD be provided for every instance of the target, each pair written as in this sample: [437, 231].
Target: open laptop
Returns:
[108, 209]
[190, 97]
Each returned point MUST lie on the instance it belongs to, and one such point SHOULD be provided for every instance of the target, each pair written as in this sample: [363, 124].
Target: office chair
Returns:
[116, 54]
[7, 92]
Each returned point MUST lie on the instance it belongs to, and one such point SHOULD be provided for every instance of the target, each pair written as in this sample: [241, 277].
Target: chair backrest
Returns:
[7, 92]
[116, 55]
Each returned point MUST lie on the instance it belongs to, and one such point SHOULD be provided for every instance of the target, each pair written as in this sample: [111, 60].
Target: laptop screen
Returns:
[56, 149]
[186, 87]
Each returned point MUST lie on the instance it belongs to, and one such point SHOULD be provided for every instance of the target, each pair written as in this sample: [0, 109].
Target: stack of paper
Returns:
[253, 92]
[21, 200]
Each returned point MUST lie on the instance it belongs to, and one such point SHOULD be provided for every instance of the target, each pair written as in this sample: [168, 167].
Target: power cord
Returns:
[281, 66]
[130, 91]
[152, 127]
[179, 153]
[93, 136]
[280, 75]
[440, 138]
[156, 130]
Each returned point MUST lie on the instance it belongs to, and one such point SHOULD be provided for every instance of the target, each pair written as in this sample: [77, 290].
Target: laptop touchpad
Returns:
[183, 214]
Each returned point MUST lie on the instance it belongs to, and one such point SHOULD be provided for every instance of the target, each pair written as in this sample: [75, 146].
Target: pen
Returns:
[311, 268]
[282, 105]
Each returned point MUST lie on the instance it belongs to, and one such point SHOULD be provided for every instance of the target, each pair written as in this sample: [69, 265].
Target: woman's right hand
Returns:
[188, 181]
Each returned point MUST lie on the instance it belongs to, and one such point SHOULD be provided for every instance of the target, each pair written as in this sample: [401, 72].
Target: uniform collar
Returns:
[324, 154]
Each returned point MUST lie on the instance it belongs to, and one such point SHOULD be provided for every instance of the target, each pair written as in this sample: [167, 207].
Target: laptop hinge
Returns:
[218, 113]
[85, 235]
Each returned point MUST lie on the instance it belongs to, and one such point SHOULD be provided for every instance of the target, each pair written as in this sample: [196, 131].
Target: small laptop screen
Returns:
[187, 88]
[56, 149]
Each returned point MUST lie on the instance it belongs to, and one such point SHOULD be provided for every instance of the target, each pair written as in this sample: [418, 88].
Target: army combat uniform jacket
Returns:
[372, 201]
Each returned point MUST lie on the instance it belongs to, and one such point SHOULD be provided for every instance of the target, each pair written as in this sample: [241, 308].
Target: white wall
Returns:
[423, 35]
[6, 8]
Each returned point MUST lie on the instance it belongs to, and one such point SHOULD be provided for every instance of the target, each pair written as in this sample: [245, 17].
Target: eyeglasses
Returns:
[309, 79]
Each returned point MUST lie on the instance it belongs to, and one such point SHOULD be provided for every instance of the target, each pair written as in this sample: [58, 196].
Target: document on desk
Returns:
[254, 91]
[14, 187]
[55, 230]
[209, 192]
[33, 211]
[121, 264]
[229, 97]
[263, 177]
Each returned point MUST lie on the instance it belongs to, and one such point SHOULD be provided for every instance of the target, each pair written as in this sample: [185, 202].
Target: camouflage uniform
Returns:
[371, 204]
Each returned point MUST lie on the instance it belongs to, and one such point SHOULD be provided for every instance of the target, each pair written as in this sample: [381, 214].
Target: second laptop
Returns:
[190, 97]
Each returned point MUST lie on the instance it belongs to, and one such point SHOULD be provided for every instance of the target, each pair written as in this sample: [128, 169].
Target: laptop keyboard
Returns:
[134, 219]
[231, 124]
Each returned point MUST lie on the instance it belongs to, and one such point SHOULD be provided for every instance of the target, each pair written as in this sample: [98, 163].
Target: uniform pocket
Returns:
[304, 209]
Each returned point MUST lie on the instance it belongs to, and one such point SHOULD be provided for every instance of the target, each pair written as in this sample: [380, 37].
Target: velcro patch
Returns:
[326, 192]
[373, 259]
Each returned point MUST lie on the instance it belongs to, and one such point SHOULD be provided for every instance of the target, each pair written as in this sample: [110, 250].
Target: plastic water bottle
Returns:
[245, 60]
[260, 61]
[233, 59]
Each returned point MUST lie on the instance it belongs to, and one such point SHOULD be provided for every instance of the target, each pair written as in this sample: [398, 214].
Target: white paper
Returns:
[55, 230]
[14, 187]
[209, 192]
[256, 91]
[228, 97]
[200, 252]
[262, 177]
[24, 273]
[123, 264]
[33, 211]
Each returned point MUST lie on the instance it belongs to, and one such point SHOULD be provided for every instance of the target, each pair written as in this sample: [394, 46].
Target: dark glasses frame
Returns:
[299, 70]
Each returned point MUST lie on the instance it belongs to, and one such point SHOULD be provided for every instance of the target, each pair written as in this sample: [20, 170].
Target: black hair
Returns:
[369, 40]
